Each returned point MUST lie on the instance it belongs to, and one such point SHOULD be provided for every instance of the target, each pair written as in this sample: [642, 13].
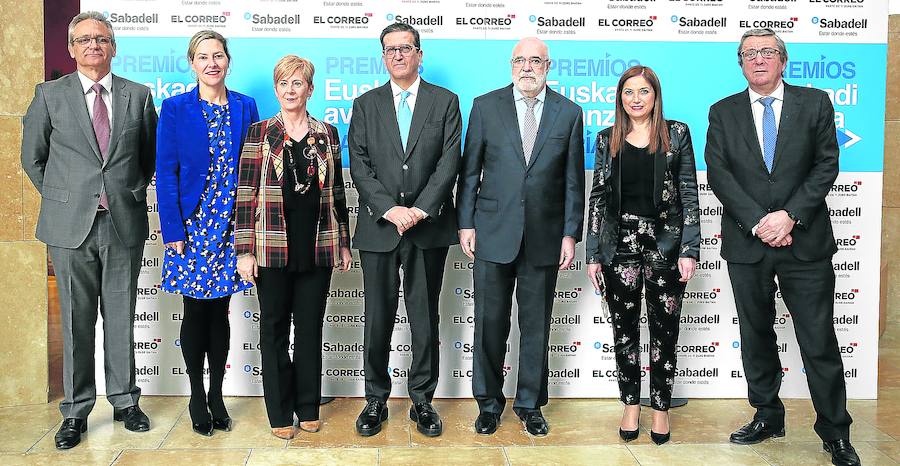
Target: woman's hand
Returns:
[246, 266]
[346, 258]
[178, 246]
[593, 271]
[687, 266]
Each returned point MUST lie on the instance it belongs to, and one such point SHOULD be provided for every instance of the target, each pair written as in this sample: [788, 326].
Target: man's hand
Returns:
[467, 241]
[246, 267]
[686, 266]
[178, 246]
[774, 227]
[566, 252]
[346, 258]
[402, 217]
[593, 272]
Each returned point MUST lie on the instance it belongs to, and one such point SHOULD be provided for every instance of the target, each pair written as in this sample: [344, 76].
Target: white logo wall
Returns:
[838, 45]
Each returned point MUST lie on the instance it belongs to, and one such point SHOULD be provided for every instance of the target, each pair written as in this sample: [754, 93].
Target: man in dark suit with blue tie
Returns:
[772, 157]
[521, 194]
[404, 144]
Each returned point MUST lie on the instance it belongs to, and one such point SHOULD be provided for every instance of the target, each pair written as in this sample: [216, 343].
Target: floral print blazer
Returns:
[677, 227]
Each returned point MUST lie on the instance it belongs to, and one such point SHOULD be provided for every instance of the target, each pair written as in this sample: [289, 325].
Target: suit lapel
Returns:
[79, 108]
[384, 102]
[507, 106]
[424, 102]
[120, 102]
[274, 145]
[548, 117]
[236, 109]
[660, 160]
[790, 108]
[747, 128]
[193, 116]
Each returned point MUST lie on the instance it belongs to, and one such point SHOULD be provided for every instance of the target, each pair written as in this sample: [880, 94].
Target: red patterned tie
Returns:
[101, 131]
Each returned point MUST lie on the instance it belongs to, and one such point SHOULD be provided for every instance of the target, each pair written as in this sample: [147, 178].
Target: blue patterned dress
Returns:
[208, 267]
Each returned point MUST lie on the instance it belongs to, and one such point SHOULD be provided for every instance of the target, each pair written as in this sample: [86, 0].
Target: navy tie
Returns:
[770, 132]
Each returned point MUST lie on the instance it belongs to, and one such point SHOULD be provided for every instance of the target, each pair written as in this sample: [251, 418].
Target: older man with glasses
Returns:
[89, 147]
[404, 144]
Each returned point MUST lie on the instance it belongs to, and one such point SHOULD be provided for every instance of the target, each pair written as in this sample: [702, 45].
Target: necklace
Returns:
[310, 153]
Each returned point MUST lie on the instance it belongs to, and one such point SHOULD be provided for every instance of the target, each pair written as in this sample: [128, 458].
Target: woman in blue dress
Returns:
[199, 139]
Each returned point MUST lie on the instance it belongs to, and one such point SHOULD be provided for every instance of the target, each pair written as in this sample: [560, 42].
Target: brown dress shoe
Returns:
[311, 426]
[286, 433]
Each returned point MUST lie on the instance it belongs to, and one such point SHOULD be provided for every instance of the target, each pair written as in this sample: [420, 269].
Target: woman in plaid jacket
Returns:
[291, 231]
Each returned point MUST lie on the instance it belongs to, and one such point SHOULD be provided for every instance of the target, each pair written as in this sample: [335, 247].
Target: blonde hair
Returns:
[290, 64]
[202, 36]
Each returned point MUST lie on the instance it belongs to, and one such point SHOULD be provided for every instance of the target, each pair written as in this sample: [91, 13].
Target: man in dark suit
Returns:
[89, 144]
[521, 191]
[772, 156]
[404, 143]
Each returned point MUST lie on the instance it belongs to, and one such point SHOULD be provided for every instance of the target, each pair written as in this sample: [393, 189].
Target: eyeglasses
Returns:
[750, 54]
[84, 41]
[405, 50]
[535, 62]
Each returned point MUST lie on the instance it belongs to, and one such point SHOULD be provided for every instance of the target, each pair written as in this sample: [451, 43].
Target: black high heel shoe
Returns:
[201, 421]
[629, 435]
[660, 439]
[220, 418]
[223, 424]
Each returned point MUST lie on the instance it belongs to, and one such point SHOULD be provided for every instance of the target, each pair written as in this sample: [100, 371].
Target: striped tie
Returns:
[770, 132]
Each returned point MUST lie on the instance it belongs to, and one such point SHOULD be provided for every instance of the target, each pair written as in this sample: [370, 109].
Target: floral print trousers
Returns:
[638, 266]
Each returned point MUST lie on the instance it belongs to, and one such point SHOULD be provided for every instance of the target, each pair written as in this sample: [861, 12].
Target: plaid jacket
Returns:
[259, 218]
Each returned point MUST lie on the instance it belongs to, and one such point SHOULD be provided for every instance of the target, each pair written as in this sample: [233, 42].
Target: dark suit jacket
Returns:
[422, 176]
[182, 155]
[61, 157]
[506, 201]
[805, 167]
[677, 228]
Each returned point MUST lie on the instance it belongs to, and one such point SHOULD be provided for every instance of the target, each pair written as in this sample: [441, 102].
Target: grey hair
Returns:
[96, 16]
[765, 32]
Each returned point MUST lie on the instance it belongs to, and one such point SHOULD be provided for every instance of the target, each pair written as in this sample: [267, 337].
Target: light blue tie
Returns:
[770, 132]
[404, 118]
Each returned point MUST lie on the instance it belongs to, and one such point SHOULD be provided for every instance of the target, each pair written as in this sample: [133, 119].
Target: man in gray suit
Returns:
[89, 148]
[521, 191]
[404, 144]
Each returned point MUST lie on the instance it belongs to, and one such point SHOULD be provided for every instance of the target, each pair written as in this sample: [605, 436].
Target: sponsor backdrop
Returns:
[836, 45]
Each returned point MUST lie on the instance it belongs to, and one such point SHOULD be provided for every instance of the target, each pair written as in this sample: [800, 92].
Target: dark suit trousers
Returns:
[534, 288]
[423, 274]
[808, 292]
[105, 269]
[292, 386]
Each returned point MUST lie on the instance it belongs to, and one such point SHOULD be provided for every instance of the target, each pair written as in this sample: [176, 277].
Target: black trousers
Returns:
[534, 286]
[292, 386]
[808, 292]
[423, 274]
[639, 267]
[205, 335]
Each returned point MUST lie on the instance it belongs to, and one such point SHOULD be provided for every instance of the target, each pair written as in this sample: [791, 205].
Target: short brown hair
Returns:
[290, 64]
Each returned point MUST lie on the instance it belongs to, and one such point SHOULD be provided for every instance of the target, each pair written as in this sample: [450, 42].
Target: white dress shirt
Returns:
[411, 99]
[522, 108]
[87, 84]
[758, 109]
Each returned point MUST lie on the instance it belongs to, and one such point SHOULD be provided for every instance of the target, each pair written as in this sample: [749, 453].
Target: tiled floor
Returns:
[581, 432]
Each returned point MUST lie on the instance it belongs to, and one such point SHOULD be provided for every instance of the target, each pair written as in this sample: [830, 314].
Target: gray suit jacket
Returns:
[421, 176]
[61, 157]
[508, 202]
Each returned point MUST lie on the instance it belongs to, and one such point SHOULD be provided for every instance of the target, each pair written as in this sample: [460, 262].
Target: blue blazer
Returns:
[182, 155]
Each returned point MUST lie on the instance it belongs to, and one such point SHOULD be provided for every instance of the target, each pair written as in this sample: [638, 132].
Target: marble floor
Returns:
[581, 432]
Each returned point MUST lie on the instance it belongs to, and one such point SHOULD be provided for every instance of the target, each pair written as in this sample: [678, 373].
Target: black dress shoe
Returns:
[224, 424]
[69, 433]
[486, 423]
[842, 453]
[135, 419]
[369, 421]
[660, 439]
[629, 435]
[534, 422]
[204, 428]
[428, 422]
[756, 431]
